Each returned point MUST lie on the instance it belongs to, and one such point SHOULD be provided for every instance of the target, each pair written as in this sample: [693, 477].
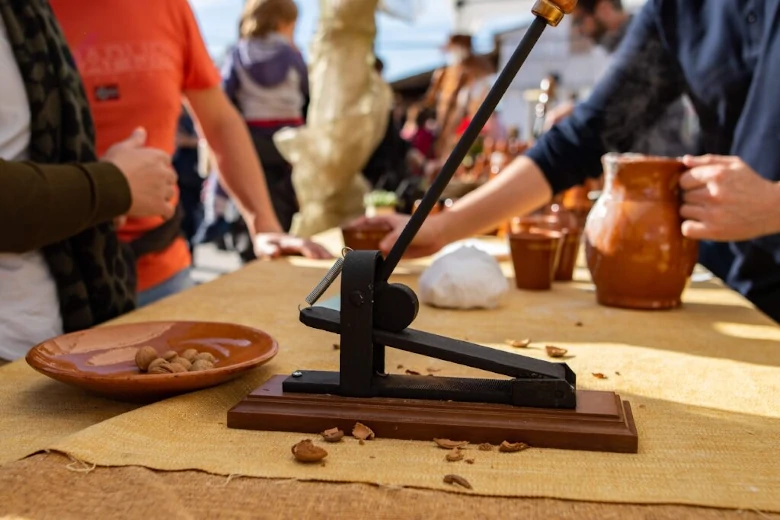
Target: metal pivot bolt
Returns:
[357, 298]
[553, 10]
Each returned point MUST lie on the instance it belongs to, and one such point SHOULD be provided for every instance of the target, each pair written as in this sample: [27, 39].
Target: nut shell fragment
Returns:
[485, 447]
[512, 447]
[457, 479]
[362, 432]
[599, 375]
[523, 343]
[144, 357]
[332, 435]
[555, 352]
[306, 451]
[450, 445]
[454, 455]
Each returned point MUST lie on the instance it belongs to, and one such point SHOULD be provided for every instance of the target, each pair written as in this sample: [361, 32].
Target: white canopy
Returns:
[472, 16]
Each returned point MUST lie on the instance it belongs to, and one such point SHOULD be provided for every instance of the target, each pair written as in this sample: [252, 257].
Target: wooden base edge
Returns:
[602, 421]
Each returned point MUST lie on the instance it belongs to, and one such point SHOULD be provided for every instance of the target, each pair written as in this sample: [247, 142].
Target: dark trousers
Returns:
[185, 162]
[278, 175]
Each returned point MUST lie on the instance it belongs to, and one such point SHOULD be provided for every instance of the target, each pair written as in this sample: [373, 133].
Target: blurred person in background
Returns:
[726, 57]
[605, 23]
[676, 133]
[62, 268]
[186, 162]
[136, 73]
[387, 166]
[266, 79]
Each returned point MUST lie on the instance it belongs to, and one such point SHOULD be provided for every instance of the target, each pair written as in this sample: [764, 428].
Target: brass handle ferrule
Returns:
[553, 10]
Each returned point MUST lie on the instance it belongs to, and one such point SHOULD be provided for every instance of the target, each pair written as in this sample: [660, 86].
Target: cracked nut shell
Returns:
[171, 354]
[306, 451]
[511, 447]
[450, 445]
[362, 432]
[332, 435]
[454, 455]
[555, 352]
[457, 479]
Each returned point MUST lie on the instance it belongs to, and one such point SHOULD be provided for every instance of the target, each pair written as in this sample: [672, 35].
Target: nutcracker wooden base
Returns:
[601, 421]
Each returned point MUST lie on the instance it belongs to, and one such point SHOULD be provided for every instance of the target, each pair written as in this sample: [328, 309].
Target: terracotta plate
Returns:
[102, 360]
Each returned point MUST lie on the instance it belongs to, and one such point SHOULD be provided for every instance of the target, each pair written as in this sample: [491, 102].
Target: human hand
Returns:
[726, 200]
[427, 241]
[274, 245]
[149, 174]
[558, 114]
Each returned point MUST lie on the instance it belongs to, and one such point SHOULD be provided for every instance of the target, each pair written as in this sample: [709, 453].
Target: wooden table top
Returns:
[73, 490]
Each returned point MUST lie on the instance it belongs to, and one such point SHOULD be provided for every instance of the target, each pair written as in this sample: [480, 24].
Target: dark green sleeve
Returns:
[43, 203]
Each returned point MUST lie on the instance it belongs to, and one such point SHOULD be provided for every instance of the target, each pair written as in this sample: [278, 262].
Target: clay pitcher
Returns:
[635, 250]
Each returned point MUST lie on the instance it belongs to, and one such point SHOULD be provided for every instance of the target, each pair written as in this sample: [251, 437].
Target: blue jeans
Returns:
[181, 281]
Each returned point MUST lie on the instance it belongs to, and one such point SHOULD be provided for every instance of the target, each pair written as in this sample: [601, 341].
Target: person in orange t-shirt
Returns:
[137, 58]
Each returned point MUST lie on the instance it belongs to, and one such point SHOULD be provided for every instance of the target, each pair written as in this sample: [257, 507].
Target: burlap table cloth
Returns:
[703, 382]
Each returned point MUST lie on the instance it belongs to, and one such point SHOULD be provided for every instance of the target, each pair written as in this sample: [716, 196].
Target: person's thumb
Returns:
[137, 139]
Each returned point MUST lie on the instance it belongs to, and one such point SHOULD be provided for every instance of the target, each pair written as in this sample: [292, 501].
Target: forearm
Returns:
[41, 203]
[642, 82]
[518, 190]
[240, 171]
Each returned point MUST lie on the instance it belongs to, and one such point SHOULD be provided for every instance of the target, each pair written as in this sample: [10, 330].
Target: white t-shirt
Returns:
[29, 307]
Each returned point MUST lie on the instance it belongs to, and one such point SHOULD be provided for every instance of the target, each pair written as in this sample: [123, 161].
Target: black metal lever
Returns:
[447, 349]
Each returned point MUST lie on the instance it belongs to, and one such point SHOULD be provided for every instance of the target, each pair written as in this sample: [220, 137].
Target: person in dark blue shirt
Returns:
[725, 56]
[185, 162]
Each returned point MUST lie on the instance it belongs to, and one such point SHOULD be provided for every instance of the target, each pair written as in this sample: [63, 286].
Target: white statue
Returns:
[347, 118]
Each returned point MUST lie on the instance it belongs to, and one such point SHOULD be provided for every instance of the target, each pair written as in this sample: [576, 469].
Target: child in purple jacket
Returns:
[266, 78]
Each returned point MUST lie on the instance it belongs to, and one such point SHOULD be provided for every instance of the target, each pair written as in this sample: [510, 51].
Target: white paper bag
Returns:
[466, 278]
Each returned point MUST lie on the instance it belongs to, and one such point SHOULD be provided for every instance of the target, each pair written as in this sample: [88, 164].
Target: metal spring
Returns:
[326, 282]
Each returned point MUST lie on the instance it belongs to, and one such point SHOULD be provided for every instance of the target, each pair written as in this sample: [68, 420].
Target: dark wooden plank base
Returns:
[601, 421]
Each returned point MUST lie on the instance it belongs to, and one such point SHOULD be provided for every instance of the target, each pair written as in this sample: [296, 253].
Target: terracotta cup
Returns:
[527, 223]
[366, 236]
[569, 245]
[535, 258]
[569, 249]
[637, 255]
